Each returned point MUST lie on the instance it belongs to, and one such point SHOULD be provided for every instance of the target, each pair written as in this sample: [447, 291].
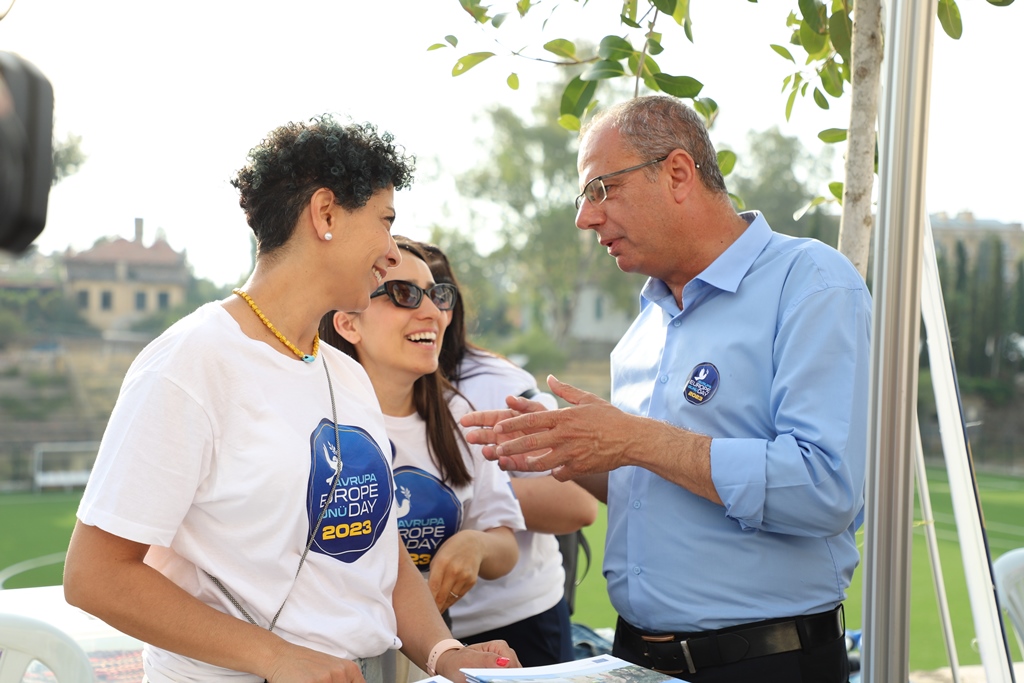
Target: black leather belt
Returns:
[675, 653]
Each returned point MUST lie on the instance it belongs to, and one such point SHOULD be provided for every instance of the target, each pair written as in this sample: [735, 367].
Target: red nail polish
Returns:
[503, 661]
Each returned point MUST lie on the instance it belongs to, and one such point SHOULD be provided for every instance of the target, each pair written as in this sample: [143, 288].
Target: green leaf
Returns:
[666, 6]
[784, 52]
[569, 122]
[682, 13]
[831, 135]
[629, 11]
[478, 13]
[513, 81]
[706, 107]
[629, 22]
[650, 67]
[840, 32]
[740, 204]
[498, 19]
[836, 188]
[726, 161]
[785, 82]
[654, 46]
[679, 86]
[799, 213]
[812, 41]
[614, 48]
[813, 12]
[789, 103]
[469, 61]
[602, 69]
[949, 17]
[688, 29]
[819, 99]
[523, 6]
[452, 40]
[561, 47]
[436, 46]
[1000, 3]
[831, 79]
[576, 96]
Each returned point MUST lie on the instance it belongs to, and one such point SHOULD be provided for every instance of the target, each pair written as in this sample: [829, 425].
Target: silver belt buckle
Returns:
[686, 653]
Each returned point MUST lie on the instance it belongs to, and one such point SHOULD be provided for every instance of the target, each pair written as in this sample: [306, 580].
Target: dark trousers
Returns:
[542, 639]
[826, 663]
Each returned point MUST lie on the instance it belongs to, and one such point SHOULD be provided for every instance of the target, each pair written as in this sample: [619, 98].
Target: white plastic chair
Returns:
[1009, 571]
[24, 640]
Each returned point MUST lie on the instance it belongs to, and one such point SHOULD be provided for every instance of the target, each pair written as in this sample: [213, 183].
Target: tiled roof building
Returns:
[118, 282]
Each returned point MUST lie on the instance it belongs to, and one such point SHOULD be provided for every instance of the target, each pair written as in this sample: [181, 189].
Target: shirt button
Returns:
[677, 323]
[636, 570]
[664, 378]
[636, 504]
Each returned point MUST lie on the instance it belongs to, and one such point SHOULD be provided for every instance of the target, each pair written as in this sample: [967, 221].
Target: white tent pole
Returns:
[933, 552]
[889, 496]
[988, 624]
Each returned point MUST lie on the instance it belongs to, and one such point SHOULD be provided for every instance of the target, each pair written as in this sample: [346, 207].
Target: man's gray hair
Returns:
[655, 125]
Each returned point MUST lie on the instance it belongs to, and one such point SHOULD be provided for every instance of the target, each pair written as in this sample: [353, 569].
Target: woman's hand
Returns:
[490, 655]
[455, 567]
[299, 664]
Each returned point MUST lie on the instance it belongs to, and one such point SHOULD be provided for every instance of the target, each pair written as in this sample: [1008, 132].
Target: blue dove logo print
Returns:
[702, 384]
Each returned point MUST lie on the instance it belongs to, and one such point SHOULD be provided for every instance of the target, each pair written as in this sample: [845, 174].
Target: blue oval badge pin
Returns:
[703, 384]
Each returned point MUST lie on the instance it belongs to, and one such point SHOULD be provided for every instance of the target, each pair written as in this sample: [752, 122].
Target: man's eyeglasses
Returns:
[595, 192]
[405, 294]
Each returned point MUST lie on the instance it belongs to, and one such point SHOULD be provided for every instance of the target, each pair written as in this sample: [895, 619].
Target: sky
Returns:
[169, 97]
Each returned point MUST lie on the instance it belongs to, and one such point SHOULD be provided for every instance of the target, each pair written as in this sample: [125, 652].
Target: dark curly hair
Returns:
[297, 159]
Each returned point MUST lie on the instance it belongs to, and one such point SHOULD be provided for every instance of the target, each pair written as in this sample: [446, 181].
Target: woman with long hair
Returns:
[240, 518]
[456, 511]
[526, 608]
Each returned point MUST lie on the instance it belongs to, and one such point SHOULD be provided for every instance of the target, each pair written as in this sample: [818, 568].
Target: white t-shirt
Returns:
[429, 510]
[218, 454]
[486, 380]
[538, 581]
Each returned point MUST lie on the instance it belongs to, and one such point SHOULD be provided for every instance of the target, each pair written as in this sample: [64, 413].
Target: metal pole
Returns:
[903, 124]
[928, 519]
[993, 644]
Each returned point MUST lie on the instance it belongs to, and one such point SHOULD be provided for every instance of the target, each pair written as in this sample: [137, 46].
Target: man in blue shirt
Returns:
[732, 454]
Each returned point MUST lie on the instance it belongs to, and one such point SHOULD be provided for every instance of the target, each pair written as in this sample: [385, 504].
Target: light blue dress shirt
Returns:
[769, 356]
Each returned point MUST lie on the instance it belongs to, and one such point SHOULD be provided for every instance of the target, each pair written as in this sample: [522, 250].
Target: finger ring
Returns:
[454, 595]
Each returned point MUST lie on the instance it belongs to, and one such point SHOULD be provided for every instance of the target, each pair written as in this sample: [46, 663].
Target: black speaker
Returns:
[26, 151]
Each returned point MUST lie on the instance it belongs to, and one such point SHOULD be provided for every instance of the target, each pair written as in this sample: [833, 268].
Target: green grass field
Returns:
[33, 526]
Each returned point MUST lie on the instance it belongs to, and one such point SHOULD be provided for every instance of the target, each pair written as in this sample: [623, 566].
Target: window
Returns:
[83, 299]
[106, 300]
[140, 301]
[163, 301]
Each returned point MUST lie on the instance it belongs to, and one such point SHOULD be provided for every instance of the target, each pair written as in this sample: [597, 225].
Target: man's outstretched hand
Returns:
[588, 437]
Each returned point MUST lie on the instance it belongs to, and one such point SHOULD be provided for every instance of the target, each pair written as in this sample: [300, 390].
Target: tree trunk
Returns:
[866, 57]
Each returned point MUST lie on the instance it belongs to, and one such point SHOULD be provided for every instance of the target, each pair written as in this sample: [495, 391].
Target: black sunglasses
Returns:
[405, 294]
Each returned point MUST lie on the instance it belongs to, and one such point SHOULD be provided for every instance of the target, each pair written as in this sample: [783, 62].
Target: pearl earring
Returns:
[328, 236]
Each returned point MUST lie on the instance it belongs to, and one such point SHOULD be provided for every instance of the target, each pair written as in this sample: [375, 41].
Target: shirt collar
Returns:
[727, 271]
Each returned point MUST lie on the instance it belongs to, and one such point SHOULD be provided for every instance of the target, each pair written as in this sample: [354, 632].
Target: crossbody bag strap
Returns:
[319, 520]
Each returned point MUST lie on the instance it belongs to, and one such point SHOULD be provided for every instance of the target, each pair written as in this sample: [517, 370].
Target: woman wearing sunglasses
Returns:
[456, 511]
[526, 608]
